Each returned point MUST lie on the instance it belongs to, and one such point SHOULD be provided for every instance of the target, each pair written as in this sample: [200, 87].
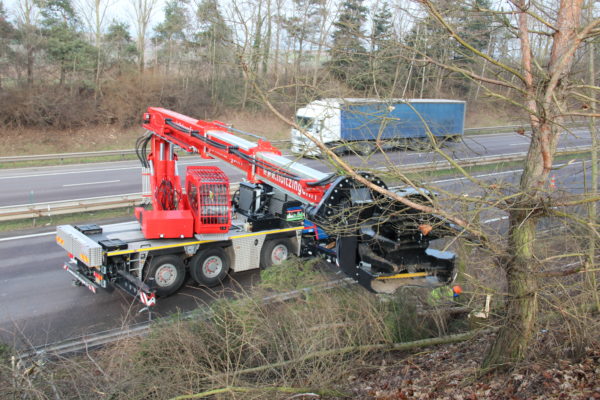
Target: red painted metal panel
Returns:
[167, 224]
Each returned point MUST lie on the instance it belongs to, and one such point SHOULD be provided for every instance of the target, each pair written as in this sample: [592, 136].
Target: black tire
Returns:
[420, 145]
[275, 251]
[365, 148]
[210, 266]
[339, 149]
[166, 274]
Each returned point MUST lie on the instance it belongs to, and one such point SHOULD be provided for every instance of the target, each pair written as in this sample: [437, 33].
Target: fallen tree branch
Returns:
[460, 337]
[558, 274]
[242, 389]
[351, 173]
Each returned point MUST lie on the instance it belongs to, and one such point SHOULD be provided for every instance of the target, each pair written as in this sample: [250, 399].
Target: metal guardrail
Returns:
[89, 154]
[36, 210]
[64, 156]
[123, 153]
[494, 129]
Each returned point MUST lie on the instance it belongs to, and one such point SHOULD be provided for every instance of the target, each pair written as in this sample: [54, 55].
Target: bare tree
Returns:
[142, 10]
[592, 208]
[543, 91]
[94, 14]
[27, 22]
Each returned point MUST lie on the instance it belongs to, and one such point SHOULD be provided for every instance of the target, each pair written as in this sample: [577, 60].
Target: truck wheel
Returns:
[365, 148]
[166, 274]
[275, 251]
[339, 149]
[209, 266]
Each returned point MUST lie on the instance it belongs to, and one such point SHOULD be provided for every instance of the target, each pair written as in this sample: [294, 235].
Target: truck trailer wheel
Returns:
[365, 148]
[210, 266]
[275, 251]
[167, 273]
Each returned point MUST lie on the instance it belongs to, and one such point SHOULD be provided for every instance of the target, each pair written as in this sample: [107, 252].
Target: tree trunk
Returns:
[61, 81]
[590, 276]
[98, 35]
[141, 61]
[320, 44]
[30, 59]
[267, 41]
[516, 332]
[277, 39]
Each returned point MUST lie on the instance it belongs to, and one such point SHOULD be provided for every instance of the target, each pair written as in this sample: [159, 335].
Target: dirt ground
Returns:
[450, 372]
[28, 141]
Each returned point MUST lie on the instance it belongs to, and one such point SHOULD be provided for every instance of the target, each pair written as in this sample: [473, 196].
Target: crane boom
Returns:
[260, 161]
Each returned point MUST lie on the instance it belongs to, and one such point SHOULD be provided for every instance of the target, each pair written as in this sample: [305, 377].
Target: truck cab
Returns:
[321, 120]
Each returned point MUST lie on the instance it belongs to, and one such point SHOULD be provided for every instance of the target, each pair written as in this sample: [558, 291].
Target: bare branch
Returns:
[352, 173]
[436, 14]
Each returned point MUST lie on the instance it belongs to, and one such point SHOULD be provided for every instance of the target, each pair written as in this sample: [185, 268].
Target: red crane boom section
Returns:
[262, 162]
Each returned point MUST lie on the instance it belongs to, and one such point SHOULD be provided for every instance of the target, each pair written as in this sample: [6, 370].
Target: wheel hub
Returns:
[279, 254]
[212, 266]
[165, 275]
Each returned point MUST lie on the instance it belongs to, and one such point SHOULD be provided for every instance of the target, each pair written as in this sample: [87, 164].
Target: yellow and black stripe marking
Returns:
[403, 276]
[171, 246]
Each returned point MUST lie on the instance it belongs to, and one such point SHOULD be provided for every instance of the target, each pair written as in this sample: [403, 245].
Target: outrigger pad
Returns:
[436, 269]
[89, 229]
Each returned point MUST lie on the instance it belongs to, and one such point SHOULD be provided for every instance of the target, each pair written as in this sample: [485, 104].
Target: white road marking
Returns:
[488, 221]
[478, 176]
[67, 173]
[50, 203]
[98, 170]
[90, 183]
[33, 235]
[27, 236]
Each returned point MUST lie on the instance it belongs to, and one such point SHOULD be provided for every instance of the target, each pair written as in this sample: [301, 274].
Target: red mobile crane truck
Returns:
[281, 208]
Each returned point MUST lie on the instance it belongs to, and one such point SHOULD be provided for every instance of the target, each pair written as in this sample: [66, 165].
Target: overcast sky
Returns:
[120, 10]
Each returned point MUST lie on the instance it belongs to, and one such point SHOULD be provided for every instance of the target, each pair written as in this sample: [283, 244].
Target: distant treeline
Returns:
[65, 63]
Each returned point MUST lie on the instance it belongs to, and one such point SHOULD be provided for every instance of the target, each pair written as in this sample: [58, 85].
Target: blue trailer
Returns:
[346, 124]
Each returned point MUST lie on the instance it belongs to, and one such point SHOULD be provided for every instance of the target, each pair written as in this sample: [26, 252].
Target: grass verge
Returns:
[81, 217]
[248, 347]
[66, 161]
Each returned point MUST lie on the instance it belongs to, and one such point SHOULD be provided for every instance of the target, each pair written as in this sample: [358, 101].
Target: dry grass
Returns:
[244, 343]
[490, 113]
[29, 141]
[94, 137]
[259, 123]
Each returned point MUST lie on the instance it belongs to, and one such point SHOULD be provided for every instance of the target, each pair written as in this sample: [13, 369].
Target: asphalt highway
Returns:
[38, 305]
[46, 184]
